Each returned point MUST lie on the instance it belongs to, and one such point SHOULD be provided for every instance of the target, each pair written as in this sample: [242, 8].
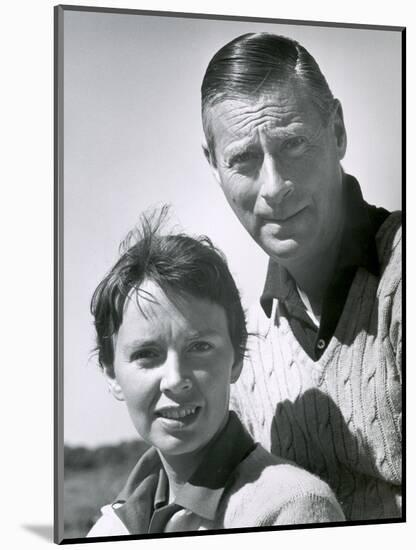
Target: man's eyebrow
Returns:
[239, 145]
[292, 131]
[234, 151]
[247, 144]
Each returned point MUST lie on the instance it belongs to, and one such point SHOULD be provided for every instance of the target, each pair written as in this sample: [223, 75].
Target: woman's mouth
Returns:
[176, 413]
[178, 417]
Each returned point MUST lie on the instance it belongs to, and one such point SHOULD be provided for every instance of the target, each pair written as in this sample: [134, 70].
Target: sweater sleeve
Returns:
[396, 327]
[309, 508]
[393, 277]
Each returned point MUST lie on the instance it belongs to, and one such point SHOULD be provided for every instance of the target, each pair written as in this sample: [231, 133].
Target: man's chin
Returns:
[282, 251]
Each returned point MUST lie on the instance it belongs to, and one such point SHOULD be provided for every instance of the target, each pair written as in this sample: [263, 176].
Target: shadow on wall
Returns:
[43, 531]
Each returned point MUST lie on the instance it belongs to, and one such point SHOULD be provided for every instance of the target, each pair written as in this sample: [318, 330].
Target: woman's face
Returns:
[173, 365]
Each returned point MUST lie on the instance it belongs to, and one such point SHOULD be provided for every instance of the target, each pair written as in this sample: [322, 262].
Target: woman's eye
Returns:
[145, 355]
[201, 347]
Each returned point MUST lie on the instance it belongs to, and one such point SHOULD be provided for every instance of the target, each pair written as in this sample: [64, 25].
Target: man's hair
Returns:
[177, 263]
[253, 64]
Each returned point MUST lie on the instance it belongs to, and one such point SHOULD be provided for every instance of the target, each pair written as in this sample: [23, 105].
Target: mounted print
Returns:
[228, 304]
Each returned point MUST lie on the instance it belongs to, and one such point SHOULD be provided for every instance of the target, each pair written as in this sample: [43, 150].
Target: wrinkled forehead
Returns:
[281, 108]
[268, 88]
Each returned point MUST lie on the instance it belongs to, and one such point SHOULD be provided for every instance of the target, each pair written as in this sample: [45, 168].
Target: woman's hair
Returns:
[255, 63]
[177, 263]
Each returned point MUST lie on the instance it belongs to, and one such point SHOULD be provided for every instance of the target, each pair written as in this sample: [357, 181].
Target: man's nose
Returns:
[274, 186]
[175, 379]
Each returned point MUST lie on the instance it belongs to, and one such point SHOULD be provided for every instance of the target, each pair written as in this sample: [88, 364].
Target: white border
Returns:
[26, 227]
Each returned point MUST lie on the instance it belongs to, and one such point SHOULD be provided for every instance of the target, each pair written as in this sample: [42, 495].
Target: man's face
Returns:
[279, 168]
[173, 365]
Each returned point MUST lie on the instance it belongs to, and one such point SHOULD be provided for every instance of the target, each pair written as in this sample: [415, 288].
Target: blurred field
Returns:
[92, 478]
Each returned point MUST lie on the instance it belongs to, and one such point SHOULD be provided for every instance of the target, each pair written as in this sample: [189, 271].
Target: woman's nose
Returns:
[175, 379]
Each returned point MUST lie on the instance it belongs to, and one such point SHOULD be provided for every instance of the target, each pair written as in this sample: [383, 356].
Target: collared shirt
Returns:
[237, 485]
[143, 505]
[357, 249]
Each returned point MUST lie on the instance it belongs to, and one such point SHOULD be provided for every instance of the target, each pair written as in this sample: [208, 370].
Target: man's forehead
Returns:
[240, 119]
[278, 92]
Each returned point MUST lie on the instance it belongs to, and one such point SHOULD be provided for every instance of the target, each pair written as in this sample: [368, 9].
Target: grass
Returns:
[87, 489]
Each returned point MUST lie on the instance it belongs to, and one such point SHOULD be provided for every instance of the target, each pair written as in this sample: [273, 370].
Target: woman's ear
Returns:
[113, 386]
[236, 370]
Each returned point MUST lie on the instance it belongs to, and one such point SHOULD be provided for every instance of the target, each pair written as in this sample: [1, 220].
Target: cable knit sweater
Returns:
[338, 417]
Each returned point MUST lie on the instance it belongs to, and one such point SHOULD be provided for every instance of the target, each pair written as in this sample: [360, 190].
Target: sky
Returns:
[132, 140]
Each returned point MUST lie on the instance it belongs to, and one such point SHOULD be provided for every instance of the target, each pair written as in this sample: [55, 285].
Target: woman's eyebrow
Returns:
[139, 343]
[204, 333]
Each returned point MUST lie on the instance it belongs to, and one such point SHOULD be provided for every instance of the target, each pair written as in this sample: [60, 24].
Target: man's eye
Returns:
[294, 145]
[242, 158]
[201, 347]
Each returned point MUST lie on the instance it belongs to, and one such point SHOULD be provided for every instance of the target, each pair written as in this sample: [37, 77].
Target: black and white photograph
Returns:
[228, 284]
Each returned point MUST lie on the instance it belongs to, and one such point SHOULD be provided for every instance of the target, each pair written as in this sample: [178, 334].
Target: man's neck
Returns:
[314, 281]
[314, 273]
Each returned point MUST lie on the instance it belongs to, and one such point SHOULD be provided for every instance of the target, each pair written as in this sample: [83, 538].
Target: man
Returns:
[322, 384]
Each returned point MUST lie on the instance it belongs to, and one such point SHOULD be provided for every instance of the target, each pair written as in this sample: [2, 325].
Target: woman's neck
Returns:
[179, 468]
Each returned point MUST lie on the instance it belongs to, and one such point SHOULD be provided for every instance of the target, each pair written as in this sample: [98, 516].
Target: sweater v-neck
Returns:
[349, 314]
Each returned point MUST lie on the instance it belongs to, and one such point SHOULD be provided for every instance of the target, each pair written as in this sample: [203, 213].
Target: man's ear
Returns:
[211, 160]
[113, 386]
[339, 130]
[236, 370]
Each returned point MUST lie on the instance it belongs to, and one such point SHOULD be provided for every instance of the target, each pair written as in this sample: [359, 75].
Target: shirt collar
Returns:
[358, 243]
[135, 503]
[162, 489]
[147, 467]
[358, 247]
[202, 493]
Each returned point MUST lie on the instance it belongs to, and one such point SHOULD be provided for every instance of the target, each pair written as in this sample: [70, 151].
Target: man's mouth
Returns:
[285, 218]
